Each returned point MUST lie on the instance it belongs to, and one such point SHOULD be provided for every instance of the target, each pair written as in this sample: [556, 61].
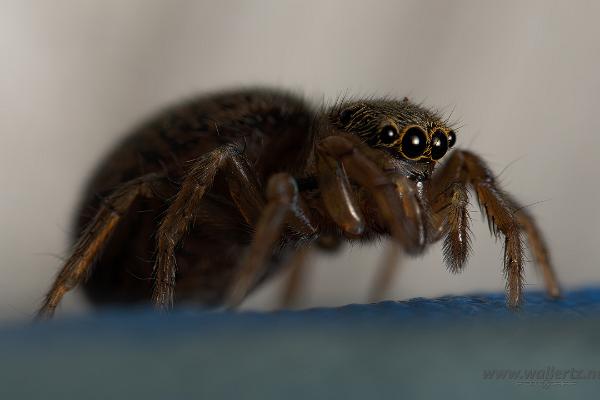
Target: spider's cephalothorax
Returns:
[213, 196]
[403, 129]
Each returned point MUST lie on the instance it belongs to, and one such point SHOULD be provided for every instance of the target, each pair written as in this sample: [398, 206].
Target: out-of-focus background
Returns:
[521, 76]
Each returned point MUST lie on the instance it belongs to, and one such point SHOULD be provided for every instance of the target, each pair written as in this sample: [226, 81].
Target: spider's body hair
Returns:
[209, 198]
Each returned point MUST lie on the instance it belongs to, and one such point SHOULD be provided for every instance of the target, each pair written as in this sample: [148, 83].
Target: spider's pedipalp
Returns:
[337, 195]
[401, 222]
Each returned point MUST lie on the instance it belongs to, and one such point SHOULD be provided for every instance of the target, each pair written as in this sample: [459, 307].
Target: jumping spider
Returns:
[215, 195]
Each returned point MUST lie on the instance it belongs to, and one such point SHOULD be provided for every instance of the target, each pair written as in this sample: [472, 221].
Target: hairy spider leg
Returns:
[451, 220]
[181, 211]
[465, 168]
[94, 238]
[538, 248]
[284, 203]
[298, 266]
[386, 272]
[296, 275]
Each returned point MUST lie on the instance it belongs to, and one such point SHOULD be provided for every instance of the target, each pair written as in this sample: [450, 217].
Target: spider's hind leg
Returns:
[94, 238]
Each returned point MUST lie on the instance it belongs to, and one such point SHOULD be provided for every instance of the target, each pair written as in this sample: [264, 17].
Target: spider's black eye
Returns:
[414, 142]
[451, 139]
[346, 116]
[388, 134]
[439, 145]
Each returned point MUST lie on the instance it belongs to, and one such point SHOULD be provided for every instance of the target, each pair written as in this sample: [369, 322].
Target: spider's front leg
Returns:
[449, 199]
[539, 249]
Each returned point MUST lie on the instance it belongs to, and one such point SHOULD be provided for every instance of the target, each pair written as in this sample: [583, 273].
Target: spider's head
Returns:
[414, 136]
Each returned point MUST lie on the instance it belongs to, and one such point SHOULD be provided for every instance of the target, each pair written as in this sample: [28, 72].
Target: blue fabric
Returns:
[450, 347]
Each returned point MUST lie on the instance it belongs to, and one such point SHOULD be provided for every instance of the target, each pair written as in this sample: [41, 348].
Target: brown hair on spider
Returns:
[403, 129]
[210, 198]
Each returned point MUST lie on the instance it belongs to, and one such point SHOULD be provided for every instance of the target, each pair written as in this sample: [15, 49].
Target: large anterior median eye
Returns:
[439, 144]
[414, 142]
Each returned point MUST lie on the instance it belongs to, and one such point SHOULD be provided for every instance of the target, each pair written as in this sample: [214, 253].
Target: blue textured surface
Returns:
[423, 348]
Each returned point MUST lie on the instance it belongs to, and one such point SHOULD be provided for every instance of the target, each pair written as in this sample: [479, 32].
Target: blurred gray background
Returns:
[521, 76]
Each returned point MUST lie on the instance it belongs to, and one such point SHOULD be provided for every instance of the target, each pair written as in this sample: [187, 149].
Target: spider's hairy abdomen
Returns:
[257, 120]
[268, 126]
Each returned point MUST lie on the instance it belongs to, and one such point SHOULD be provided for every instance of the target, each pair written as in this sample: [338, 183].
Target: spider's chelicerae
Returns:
[212, 197]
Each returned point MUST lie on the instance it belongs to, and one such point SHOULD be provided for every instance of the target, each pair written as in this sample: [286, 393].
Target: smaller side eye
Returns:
[451, 139]
[346, 116]
[388, 134]
[439, 145]
[414, 142]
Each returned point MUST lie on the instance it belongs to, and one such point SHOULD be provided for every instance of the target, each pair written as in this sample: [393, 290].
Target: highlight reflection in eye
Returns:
[451, 139]
[388, 134]
[414, 142]
[439, 144]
